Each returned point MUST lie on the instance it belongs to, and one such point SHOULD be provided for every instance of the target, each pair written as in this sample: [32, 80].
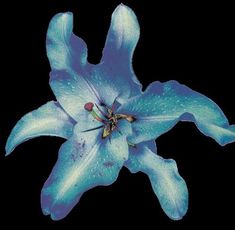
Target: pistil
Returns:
[89, 107]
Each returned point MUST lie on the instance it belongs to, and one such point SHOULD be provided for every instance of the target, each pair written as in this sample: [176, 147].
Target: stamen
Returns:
[110, 120]
[110, 112]
[88, 130]
[107, 131]
[130, 118]
[95, 115]
[127, 117]
[102, 112]
[113, 105]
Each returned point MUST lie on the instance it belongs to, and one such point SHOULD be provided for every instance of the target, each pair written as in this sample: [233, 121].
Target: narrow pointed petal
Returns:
[122, 38]
[164, 104]
[123, 35]
[50, 119]
[167, 184]
[64, 49]
[84, 162]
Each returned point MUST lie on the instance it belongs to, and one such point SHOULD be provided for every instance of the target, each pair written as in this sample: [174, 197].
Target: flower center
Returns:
[109, 120]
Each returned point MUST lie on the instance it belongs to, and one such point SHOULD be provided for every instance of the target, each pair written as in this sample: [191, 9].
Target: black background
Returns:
[187, 42]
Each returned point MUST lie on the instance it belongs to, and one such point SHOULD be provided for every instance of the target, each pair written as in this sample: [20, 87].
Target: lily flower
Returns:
[108, 122]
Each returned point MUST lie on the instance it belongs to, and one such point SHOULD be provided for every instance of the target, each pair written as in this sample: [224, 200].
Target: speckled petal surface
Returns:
[48, 120]
[83, 163]
[167, 184]
[164, 104]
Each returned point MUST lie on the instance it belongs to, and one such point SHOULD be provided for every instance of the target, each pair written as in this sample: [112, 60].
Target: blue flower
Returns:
[108, 122]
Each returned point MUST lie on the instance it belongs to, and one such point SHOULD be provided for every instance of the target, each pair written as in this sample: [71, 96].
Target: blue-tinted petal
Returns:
[168, 185]
[123, 35]
[50, 119]
[73, 91]
[164, 104]
[151, 145]
[85, 161]
[64, 49]
[122, 38]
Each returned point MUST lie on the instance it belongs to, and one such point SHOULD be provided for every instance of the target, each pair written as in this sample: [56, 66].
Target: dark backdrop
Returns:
[187, 42]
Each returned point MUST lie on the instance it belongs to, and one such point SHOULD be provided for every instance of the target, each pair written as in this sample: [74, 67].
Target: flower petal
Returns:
[164, 104]
[73, 91]
[85, 161]
[168, 185]
[122, 38]
[50, 119]
[123, 35]
[64, 49]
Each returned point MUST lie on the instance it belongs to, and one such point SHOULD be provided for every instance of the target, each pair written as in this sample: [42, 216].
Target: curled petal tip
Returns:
[8, 148]
[8, 152]
[10, 145]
